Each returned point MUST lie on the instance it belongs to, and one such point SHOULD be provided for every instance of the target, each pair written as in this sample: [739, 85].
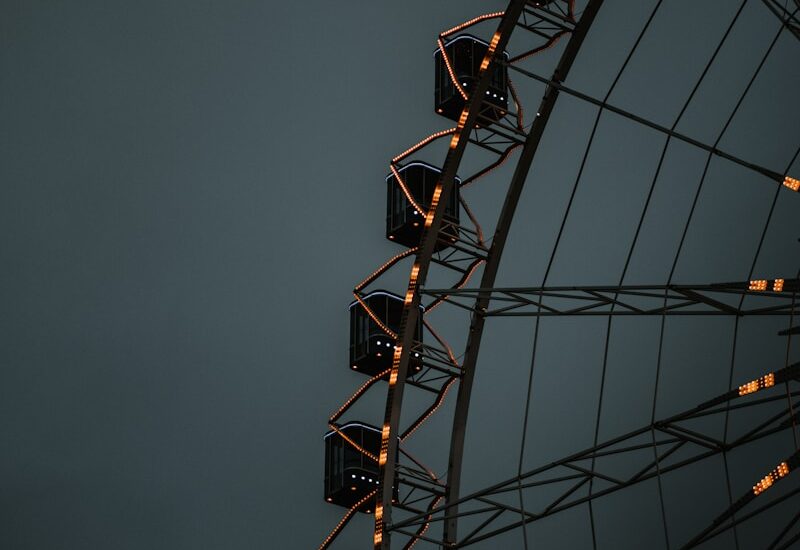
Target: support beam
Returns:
[516, 185]
[572, 473]
[764, 298]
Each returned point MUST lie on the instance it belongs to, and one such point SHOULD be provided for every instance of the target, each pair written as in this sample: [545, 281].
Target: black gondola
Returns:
[371, 349]
[466, 54]
[350, 475]
[404, 223]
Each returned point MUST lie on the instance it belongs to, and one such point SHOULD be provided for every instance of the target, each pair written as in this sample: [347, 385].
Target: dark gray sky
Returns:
[189, 190]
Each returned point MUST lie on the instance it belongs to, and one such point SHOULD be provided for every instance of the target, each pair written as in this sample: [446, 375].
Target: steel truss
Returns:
[714, 299]
[650, 451]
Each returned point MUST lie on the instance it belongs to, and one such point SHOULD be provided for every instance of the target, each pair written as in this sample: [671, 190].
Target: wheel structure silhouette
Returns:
[453, 262]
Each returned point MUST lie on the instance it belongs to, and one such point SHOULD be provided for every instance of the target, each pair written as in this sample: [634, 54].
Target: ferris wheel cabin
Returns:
[465, 53]
[404, 222]
[371, 348]
[350, 475]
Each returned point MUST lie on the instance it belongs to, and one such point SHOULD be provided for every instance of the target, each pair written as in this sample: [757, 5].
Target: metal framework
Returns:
[715, 299]
[648, 457]
[427, 498]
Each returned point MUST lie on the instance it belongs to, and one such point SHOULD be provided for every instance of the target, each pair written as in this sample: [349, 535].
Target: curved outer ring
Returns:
[492, 264]
[433, 221]
[458, 144]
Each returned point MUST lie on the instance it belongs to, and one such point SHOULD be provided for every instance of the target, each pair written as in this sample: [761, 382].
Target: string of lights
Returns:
[345, 520]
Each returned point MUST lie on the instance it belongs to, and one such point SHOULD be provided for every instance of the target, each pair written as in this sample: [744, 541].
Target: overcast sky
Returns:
[190, 190]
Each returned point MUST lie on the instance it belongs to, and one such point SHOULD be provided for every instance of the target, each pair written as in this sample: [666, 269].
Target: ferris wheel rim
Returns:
[506, 216]
[423, 260]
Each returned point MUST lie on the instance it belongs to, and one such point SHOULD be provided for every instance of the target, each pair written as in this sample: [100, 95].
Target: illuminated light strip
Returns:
[457, 134]
[406, 191]
[766, 381]
[452, 74]
[378, 536]
[333, 534]
[490, 52]
[384, 444]
[462, 120]
[355, 445]
[769, 480]
[422, 143]
[381, 270]
[437, 192]
[358, 393]
[473, 21]
[761, 285]
[758, 285]
[412, 282]
[792, 183]
[395, 364]
[374, 317]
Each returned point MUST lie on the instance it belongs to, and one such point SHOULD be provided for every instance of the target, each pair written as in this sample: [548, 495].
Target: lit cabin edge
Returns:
[371, 349]
[466, 53]
[350, 475]
[404, 223]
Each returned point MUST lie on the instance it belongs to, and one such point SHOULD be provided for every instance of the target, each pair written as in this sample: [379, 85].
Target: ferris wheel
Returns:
[617, 377]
